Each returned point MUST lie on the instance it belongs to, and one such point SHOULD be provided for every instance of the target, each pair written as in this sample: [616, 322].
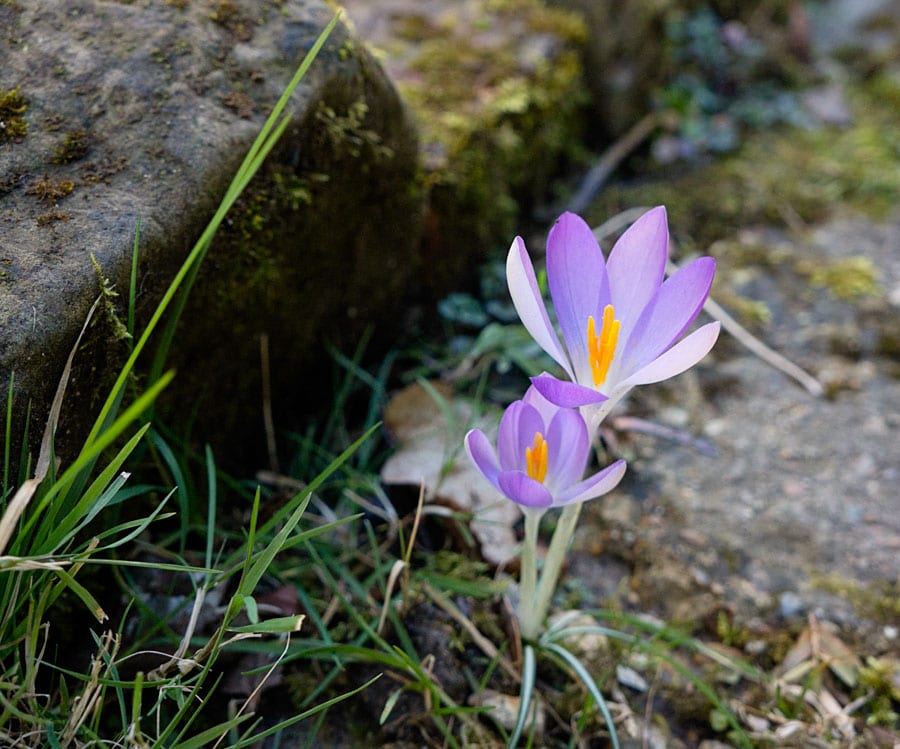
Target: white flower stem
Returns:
[556, 554]
[529, 620]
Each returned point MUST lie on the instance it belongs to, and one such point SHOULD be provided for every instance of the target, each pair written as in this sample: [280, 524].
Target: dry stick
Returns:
[615, 155]
[756, 346]
[487, 647]
[715, 310]
[23, 496]
[401, 565]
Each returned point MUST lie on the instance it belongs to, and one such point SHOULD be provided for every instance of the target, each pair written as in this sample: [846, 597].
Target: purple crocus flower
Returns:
[620, 320]
[542, 451]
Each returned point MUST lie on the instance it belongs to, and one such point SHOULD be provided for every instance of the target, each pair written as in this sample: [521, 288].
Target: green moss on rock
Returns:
[497, 91]
[12, 108]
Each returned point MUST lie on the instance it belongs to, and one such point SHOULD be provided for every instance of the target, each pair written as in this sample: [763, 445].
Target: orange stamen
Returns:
[602, 348]
[536, 458]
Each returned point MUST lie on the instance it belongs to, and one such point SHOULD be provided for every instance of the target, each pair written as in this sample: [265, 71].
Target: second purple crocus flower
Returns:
[542, 452]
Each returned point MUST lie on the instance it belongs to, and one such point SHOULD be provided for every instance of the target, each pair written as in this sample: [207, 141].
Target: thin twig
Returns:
[487, 647]
[756, 346]
[599, 173]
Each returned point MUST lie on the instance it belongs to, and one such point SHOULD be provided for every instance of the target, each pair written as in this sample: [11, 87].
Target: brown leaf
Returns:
[429, 423]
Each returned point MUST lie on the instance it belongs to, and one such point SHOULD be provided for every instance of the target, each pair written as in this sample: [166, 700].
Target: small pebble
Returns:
[790, 605]
[630, 678]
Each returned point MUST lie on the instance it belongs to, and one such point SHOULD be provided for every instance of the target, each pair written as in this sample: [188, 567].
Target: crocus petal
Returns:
[576, 273]
[568, 448]
[600, 483]
[545, 408]
[482, 454]
[566, 394]
[523, 490]
[518, 426]
[526, 297]
[637, 266]
[672, 309]
[682, 356]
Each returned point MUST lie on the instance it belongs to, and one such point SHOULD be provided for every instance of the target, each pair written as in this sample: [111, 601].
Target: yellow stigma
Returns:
[601, 348]
[536, 458]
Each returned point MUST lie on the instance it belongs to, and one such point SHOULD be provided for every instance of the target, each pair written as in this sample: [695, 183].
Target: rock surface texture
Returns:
[143, 112]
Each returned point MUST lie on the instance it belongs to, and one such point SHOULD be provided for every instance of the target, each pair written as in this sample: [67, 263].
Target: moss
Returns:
[12, 108]
[849, 278]
[226, 14]
[498, 118]
[52, 217]
[879, 601]
[109, 295]
[348, 134]
[75, 145]
[51, 190]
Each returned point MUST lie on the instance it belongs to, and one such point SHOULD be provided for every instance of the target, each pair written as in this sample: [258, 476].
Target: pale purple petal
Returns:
[576, 273]
[637, 266]
[566, 394]
[600, 483]
[482, 454]
[673, 308]
[526, 297]
[518, 426]
[523, 490]
[545, 408]
[568, 448]
[682, 356]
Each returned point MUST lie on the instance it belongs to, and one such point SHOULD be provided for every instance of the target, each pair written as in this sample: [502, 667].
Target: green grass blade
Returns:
[529, 672]
[89, 453]
[88, 506]
[585, 677]
[7, 443]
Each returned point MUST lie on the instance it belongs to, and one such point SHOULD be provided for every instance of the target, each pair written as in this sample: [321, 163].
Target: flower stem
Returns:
[529, 618]
[568, 519]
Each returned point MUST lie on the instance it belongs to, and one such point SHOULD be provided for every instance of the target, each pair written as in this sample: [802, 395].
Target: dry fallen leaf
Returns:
[429, 424]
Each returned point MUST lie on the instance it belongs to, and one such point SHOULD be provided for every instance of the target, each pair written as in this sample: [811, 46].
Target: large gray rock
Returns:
[144, 111]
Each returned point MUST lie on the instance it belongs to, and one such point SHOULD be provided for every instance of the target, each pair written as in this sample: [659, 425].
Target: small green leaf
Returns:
[276, 625]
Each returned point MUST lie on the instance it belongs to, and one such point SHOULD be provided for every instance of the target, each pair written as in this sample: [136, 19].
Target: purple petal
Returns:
[568, 448]
[600, 483]
[545, 408]
[482, 454]
[517, 428]
[524, 490]
[683, 355]
[673, 308]
[566, 394]
[576, 273]
[637, 266]
[526, 297]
